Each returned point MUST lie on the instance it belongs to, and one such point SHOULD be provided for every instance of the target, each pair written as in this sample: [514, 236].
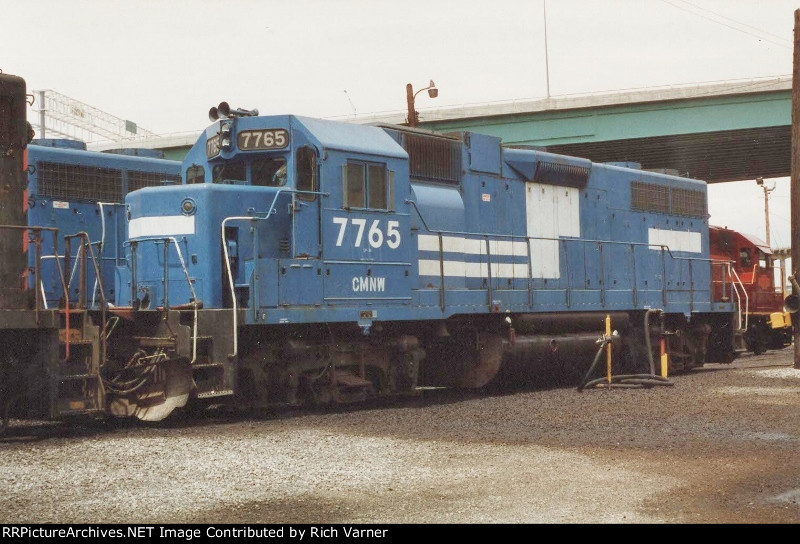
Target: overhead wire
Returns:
[760, 36]
[779, 37]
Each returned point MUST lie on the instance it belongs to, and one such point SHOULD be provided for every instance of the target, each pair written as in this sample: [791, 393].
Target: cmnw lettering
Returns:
[369, 284]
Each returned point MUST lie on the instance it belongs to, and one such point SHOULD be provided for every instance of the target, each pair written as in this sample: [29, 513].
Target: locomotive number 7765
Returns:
[375, 235]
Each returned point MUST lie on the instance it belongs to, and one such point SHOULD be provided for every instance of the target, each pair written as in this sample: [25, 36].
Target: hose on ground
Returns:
[626, 380]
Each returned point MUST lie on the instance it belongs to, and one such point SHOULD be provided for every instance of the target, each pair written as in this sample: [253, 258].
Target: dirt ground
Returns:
[719, 445]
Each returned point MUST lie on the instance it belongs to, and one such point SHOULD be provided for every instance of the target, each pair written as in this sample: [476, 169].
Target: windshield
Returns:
[264, 172]
[269, 172]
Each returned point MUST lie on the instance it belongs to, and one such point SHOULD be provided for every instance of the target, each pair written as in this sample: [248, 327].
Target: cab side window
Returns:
[745, 259]
[195, 174]
[354, 194]
[307, 173]
[367, 185]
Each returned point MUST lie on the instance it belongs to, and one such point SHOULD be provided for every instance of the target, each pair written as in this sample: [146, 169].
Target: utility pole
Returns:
[546, 60]
[767, 191]
[795, 174]
[413, 114]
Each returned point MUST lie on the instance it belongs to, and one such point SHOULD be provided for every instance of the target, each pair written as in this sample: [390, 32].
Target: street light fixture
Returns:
[413, 114]
[767, 191]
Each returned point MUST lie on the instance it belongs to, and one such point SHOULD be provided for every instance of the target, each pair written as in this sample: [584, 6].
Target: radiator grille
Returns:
[553, 173]
[648, 197]
[138, 180]
[688, 202]
[75, 182]
[432, 158]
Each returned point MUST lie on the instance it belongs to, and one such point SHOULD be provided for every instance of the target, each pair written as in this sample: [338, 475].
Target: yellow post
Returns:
[664, 358]
[608, 348]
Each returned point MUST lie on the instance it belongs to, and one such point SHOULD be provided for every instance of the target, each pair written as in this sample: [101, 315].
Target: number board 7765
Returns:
[271, 138]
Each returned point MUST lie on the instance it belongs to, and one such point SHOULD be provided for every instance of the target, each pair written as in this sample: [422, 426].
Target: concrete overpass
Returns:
[726, 131]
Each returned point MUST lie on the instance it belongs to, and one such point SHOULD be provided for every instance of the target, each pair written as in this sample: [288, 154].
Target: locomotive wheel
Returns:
[22, 388]
[757, 340]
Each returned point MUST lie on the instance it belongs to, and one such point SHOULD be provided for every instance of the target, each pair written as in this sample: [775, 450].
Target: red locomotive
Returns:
[764, 321]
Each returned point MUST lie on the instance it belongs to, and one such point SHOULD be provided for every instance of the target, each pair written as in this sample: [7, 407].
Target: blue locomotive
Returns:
[314, 261]
[71, 191]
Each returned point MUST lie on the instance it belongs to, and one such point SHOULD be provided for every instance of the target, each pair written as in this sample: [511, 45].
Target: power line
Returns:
[351, 102]
[762, 31]
[760, 37]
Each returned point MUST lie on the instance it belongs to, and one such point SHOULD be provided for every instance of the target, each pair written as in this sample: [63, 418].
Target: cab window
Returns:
[229, 172]
[306, 173]
[195, 174]
[366, 185]
[745, 258]
[268, 172]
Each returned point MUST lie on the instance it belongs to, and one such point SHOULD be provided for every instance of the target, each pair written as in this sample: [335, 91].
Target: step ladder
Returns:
[79, 388]
[741, 307]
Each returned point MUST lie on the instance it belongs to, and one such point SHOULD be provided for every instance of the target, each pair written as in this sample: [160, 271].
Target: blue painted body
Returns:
[496, 230]
[75, 190]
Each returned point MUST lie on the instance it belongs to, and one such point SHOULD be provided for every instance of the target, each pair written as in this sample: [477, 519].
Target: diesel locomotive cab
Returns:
[261, 283]
[248, 206]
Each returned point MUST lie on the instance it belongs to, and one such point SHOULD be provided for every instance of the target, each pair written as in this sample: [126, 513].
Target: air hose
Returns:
[626, 380]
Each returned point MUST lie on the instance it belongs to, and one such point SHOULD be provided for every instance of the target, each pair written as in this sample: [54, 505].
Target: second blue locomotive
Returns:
[307, 260]
[71, 190]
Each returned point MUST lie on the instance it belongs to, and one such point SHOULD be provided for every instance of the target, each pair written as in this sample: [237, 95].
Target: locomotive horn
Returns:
[792, 302]
[213, 114]
[224, 110]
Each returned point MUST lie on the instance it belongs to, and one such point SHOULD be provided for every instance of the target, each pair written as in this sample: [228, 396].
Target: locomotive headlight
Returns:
[225, 138]
[188, 206]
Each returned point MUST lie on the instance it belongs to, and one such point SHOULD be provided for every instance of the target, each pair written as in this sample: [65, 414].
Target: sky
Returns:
[163, 64]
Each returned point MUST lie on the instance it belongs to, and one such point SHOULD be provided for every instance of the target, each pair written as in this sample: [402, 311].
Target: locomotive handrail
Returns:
[738, 281]
[195, 303]
[103, 227]
[37, 271]
[734, 281]
[228, 271]
[74, 268]
[663, 247]
[37, 274]
[87, 243]
[570, 239]
[177, 250]
[82, 294]
[753, 275]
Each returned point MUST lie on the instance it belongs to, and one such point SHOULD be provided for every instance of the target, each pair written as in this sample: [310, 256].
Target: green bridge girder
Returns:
[728, 131]
[721, 132]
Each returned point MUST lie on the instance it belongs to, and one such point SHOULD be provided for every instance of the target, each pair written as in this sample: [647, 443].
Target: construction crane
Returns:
[63, 117]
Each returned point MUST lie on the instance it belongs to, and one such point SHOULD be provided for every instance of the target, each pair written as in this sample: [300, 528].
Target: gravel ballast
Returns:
[719, 446]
